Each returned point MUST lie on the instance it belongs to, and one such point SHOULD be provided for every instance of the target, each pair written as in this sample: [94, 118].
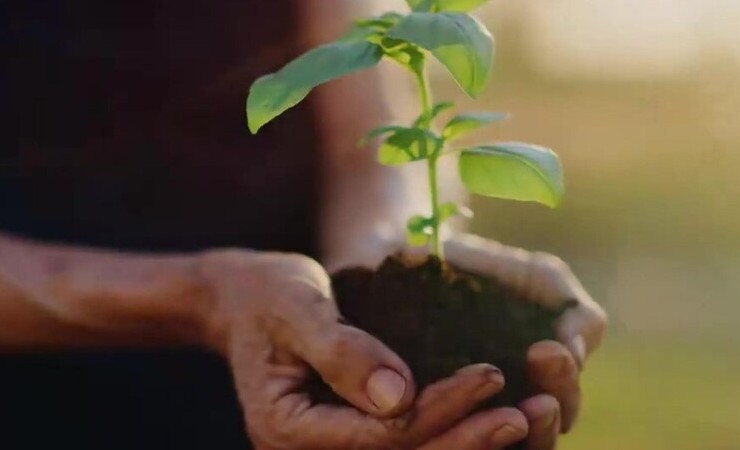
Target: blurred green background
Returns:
[642, 102]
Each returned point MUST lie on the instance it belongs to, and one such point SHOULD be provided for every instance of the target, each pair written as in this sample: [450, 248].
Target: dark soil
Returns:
[439, 319]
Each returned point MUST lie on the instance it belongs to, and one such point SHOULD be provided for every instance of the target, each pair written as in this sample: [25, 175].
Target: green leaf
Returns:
[380, 23]
[459, 5]
[407, 55]
[377, 132]
[513, 171]
[437, 109]
[447, 210]
[422, 5]
[417, 240]
[418, 231]
[405, 145]
[459, 41]
[419, 224]
[440, 107]
[444, 5]
[273, 94]
[465, 123]
[358, 34]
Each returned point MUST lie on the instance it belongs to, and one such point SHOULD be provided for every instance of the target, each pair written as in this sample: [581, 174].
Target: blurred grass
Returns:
[660, 393]
[651, 225]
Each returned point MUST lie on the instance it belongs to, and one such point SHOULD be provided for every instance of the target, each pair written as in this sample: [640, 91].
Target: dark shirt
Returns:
[124, 127]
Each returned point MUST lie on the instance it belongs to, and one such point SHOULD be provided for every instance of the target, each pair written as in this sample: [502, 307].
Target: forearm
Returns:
[60, 297]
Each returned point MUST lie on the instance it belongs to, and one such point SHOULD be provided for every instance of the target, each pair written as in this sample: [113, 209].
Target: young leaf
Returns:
[459, 41]
[447, 210]
[459, 5]
[513, 171]
[408, 144]
[418, 231]
[380, 131]
[273, 94]
[465, 123]
[380, 23]
[359, 33]
[417, 239]
[407, 55]
[437, 109]
[440, 107]
[418, 224]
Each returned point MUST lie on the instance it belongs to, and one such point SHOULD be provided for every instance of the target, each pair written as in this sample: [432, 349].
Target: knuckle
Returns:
[275, 427]
[396, 437]
[262, 431]
[550, 263]
[302, 278]
[600, 318]
[383, 437]
[552, 358]
[593, 319]
[341, 344]
[295, 262]
[333, 351]
[288, 265]
[596, 328]
[225, 260]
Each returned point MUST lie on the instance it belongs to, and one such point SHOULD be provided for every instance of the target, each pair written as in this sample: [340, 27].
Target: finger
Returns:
[543, 414]
[357, 366]
[361, 369]
[582, 328]
[488, 430]
[475, 254]
[447, 401]
[553, 371]
[538, 277]
[292, 422]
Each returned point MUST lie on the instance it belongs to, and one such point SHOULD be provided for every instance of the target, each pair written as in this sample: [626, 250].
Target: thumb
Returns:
[356, 365]
[361, 369]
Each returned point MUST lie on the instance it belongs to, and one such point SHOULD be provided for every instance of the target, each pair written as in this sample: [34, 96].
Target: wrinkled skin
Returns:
[291, 324]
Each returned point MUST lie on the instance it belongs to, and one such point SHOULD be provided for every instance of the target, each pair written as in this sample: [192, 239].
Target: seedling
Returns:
[442, 29]
[434, 316]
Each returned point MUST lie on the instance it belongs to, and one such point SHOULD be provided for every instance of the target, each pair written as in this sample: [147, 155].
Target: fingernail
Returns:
[488, 371]
[386, 388]
[547, 420]
[506, 435]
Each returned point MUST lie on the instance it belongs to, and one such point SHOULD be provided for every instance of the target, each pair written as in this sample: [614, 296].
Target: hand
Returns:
[274, 319]
[553, 366]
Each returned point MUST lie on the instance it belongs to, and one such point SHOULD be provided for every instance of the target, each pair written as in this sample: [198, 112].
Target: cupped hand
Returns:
[553, 366]
[275, 320]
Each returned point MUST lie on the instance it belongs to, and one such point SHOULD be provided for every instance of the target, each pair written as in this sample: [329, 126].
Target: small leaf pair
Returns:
[404, 144]
[419, 229]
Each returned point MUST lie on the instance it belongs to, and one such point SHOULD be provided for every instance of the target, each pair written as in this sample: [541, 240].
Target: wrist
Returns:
[245, 288]
[139, 300]
[231, 280]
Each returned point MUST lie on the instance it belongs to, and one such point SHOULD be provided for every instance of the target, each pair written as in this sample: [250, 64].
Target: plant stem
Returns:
[426, 107]
[433, 189]
[425, 96]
